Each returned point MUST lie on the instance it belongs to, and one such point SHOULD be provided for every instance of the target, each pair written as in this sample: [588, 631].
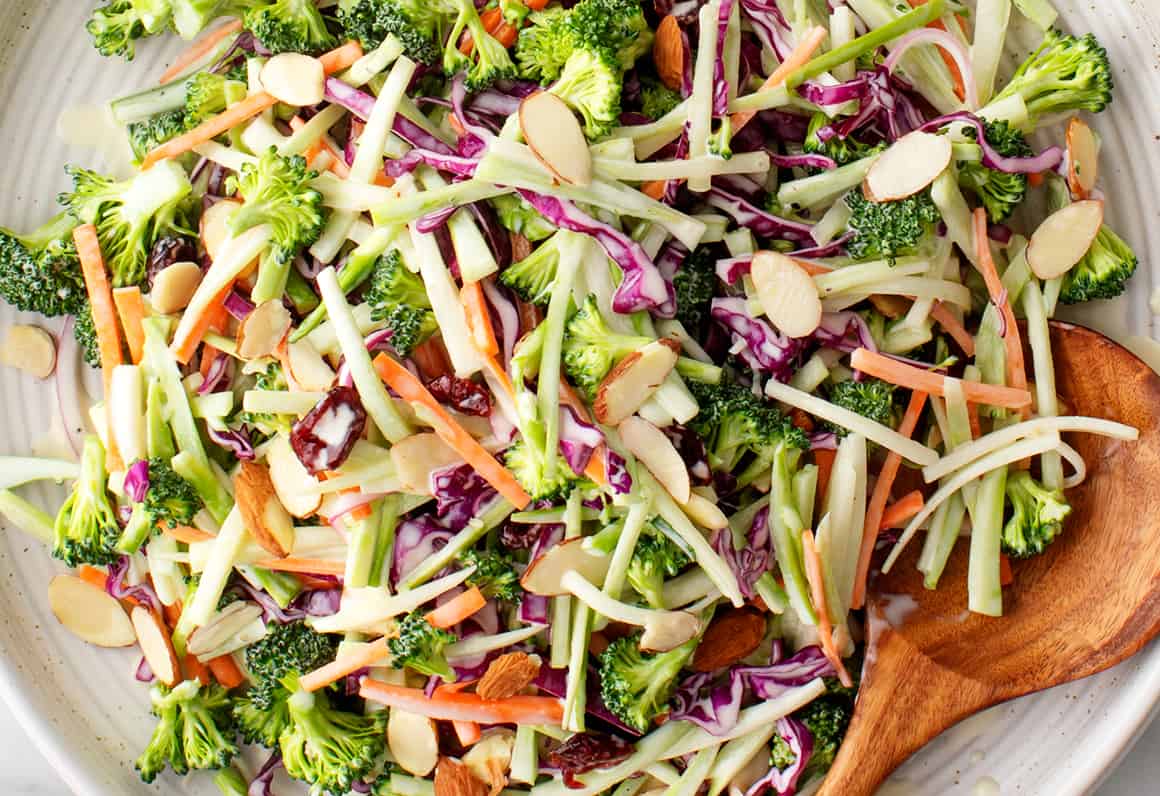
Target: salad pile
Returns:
[513, 396]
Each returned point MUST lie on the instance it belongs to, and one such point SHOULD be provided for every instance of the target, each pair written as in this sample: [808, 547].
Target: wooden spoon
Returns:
[1089, 602]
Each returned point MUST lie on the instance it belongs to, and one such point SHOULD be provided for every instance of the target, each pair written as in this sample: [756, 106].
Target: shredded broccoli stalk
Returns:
[572, 251]
[371, 543]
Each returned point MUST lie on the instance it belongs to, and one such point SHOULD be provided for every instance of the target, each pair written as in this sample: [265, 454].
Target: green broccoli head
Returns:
[530, 469]
[544, 45]
[86, 528]
[999, 191]
[148, 134]
[655, 558]
[39, 272]
[116, 25]
[533, 277]
[290, 26]
[495, 574]
[205, 96]
[488, 60]
[291, 648]
[1104, 271]
[194, 730]
[517, 215]
[871, 398]
[85, 332]
[635, 685]
[840, 150]
[591, 348]
[399, 300]
[657, 99]
[277, 192]
[329, 748]
[826, 718]
[130, 216]
[738, 426]
[695, 283]
[618, 27]
[590, 84]
[416, 24]
[419, 646]
[1066, 74]
[1037, 515]
[170, 499]
[889, 230]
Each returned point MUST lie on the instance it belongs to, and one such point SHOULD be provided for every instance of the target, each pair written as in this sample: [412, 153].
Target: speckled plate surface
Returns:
[90, 718]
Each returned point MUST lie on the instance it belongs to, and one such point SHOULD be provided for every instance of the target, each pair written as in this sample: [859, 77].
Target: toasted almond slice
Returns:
[507, 675]
[418, 456]
[89, 612]
[907, 167]
[544, 574]
[668, 52]
[787, 294]
[490, 758]
[296, 488]
[669, 630]
[215, 225]
[174, 286]
[307, 367]
[1083, 158]
[414, 742]
[633, 381]
[452, 778]
[265, 517]
[656, 452]
[521, 246]
[30, 349]
[155, 645]
[705, 513]
[1064, 238]
[295, 79]
[555, 138]
[263, 329]
[732, 635]
[893, 307]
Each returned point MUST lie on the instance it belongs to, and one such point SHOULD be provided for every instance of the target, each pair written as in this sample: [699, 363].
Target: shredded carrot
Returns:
[225, 670]
[185, 533]
[432, 359]
[92, 576]
[450, 706]
[341, 57]
[900, 511]
[131, 309]
[813, 567]
[952, 65]
[478, 318]
[799, 57]
[314, 566]
[457, 438]
[824, 459]
[878, 500]
[348, 663]
[954, 327]
[337, 164]
[496, 26]
[186, 341]
[191, 667]
[812, 268]
[973, 419]
[1016, 373]
[915, 378]
[654, 189]
[1035, 179]
[536, 5]
[458, 608]
[1006, 576]
[198, 49]
[467, 732]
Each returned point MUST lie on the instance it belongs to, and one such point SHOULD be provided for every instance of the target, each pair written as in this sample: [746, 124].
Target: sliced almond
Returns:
[555, 138]
[633, 381]
[521, 246]
[260, 333]
[1083, 158]
[490, 758]
[265, 517]
[787, 293]
[414, 741]
[705, 513]
[30, 349]
[1064, 238]
[215, 227]
[910, 164]
[155, 645]
[733, 634]
[544, 574]
[295, 79]
[656, 452]
[89, 612]
[452, 778]
[668, 52]
[507, 675]
[418, 456]
[669, 630]
[296, 488]
[174, 286]
[893, 307]
[307, 367]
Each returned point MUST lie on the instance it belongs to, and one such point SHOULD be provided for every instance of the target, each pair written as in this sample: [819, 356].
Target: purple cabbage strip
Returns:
[534, 607]
[361, 104]
[884, 101]
[831, 249]
[673, 187]
[472, 130]
[271, 611]
[578, 439]
[436, 219]
[758, 343]
[1044, 161]
[714, 707]
[720, 82]
[460, 494]
[498, 239]
[144, 672]
[236, 441]
[142, 592]
[261, 784]
[823, 441]
[731, 269]
[452, 164]
[844, 331]
[769, 25]
[752, 561]
[803, 161]
[136, 482]
[805, 666]
[616, 470]
[218, 374]
[238, 305]
[762, 223]
[319, 602]
[416, 540]
[801, 743]
[670, 258]
[643, 287]
[507, 315]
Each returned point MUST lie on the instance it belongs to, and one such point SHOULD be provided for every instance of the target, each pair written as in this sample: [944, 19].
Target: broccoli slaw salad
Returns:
[518, 396]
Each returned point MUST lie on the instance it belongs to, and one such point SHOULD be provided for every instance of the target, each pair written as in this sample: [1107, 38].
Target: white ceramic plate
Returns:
[81, 704]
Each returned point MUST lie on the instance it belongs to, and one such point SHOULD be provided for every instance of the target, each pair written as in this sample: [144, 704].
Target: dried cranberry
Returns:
[462, 395]
[586, 751]
[325, 436]
[169, 250]
[692, 449]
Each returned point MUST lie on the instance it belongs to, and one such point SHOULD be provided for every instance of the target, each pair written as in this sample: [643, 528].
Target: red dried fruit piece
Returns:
[586, 751]
[462, 395]
[325, 436]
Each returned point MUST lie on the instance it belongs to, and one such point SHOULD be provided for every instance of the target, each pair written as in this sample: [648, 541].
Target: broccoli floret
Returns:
[169, 500]
[191, 17]
[534, 276]
[86, 527]
[205, 96]
[1037, 515]
[736, 425]
[39, 272]
[130, 216]
[655, 558]
[591, 348]
[290, 26]
[1067, 73]
[194, 730]
[399, 300]
[273, 379]
[488, 61]
[694, 284]
[116, 25]
[544, 45]
[495, 574]
[521, 218]
[635, 685]
[590, 84]
[419, 646]
[826, 718]
[999, 191]
[417, 24]
[85, 332]
[888, 230]
[530, 470]
[657, 99]
[871, 398]
[1104, 271]
[840, 150]
[618, 27]
[148, 134]
[277, 192]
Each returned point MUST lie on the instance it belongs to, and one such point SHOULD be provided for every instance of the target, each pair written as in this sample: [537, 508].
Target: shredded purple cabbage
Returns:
[764, 224]
[137, 480]
[616, 471]
[1045, 161]
[236, 441]
[116, 587]
[753, 560]
[261, 784]
[460, 494]
[801, 743]
[713, 706]
[578, 439]
[755, 341]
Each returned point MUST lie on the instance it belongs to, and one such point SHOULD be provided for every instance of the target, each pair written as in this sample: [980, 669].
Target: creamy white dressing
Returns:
[92, 126]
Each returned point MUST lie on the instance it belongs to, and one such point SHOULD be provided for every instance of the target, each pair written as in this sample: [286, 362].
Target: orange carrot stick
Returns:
[536, 5]
[92, 576]
[467, 732]
[451, 706]
[456, 437]
[458, 608]
[878, 500]
[915, 378]
[337, 165]
[1016, 372]
[954, 327]
[131, 308]
[347, 664]
[478, 318]
[952, 65]
[799, 57]
[813, 567]
[341, 57]
[185, 533]
[198, 49]
[314, 566]
[185, 342]
[900, 511]
[824, 459]
[225, 670]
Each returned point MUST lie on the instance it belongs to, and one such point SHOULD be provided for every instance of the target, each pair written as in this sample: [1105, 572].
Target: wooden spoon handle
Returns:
[905, 700]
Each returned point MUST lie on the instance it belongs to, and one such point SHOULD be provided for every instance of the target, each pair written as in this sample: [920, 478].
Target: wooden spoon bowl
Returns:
[1090, 601]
